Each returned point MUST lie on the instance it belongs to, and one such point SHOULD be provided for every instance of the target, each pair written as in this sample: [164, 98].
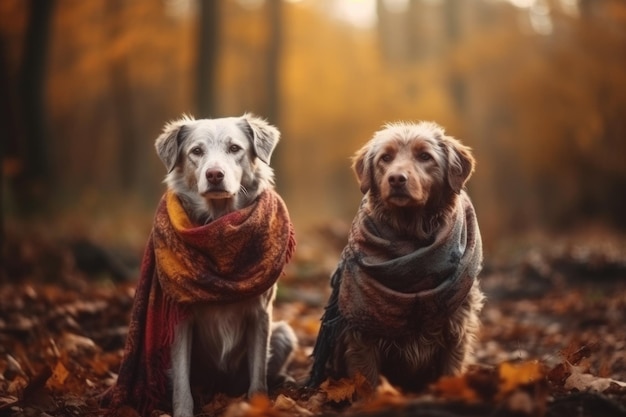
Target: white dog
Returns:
[215, 167]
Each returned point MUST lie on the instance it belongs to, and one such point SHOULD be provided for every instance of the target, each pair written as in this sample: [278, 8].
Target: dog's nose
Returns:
[214, 176]
[396, 180]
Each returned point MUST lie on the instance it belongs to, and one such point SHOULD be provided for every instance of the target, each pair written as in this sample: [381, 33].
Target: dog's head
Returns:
[218, 159]
[413, 165]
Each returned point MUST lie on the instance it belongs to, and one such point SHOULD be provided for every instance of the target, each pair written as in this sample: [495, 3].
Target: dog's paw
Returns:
[183, 406]
[257, 389]
[279, 380]
[185, 413]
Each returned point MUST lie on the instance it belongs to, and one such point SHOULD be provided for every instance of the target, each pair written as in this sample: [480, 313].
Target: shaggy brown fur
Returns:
[405, 299]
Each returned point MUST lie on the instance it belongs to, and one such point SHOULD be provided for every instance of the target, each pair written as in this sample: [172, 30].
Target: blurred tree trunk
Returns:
[414, 38]
[456, 83]
[32, 184]
[274, 49]
[273, 60]
[208, 41]
[122, 99]
[392, 33]
[9, 146]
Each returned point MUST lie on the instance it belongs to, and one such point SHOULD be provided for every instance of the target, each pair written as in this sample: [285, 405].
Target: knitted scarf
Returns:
[238, 256]
[387, 287]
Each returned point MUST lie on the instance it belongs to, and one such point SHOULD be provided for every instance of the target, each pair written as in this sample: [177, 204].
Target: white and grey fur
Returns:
[216, 166]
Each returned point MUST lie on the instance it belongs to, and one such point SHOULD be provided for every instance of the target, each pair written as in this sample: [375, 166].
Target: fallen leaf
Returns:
[59, 375]
[77, 345]
[385, 389]
[316, 402]
[13, 367]
[290, 406]
[17, 385]
[257, 406]
[455, 388]
[515, 375]
[363, 388]
[574, 353]
[237, 409]
[559, 373]
[7, 402]
[338, 390]
[521, 402]
[347, 388]
[384, 397]
[588, 382]
[219, 403]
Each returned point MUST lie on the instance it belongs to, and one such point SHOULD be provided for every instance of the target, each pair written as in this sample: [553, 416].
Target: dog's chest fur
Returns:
[416, 359]
[220, 331]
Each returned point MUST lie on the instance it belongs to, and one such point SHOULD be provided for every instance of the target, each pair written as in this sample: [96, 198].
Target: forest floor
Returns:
[553, 340]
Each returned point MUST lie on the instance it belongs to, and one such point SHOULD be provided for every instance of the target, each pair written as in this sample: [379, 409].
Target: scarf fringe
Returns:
[172, 314]
[333, 324]
[291, 247]
[175, 313]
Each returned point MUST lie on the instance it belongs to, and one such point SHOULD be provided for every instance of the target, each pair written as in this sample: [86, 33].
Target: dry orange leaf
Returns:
[338, 390]
[384, 397]
[363, 388]
[515, 375]
[455, 387]
[59, 375]
[385, 389]
[260, 405]
[346, 388]
[289, 406]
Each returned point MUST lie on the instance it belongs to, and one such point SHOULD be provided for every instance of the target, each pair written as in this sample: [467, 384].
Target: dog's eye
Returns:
[425, 156]
[234, 148]
[197, 151]
[387, 157]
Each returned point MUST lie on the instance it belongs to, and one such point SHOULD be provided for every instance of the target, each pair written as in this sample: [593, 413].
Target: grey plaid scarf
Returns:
[388, 287]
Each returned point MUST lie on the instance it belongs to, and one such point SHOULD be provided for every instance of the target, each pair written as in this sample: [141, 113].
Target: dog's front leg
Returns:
[361, 356]
[182, 401]
[258, 348]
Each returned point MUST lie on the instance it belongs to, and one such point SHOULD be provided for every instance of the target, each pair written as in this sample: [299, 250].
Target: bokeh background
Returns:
[536, 87]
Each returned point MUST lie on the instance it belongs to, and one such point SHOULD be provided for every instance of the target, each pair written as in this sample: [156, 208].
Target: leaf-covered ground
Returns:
[553, 340]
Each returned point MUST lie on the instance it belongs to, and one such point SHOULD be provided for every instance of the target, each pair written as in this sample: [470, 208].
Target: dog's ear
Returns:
[460, 163]
[361, 164]
[168, 144]
[264, 136]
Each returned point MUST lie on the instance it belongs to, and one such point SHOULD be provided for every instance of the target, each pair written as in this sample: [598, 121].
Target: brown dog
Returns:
[405, 299]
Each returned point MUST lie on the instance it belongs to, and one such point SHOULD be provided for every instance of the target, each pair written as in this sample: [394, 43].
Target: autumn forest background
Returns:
[536, 87]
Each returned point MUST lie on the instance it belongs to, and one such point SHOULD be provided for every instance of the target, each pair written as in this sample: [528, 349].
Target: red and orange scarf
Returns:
[238, 256]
